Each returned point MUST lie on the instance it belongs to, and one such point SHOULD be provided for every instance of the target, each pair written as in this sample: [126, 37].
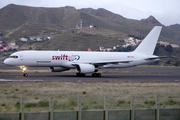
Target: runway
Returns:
[88, 78]
[135, 74]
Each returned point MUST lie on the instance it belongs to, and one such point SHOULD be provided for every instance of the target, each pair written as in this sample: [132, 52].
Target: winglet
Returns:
[148, 45]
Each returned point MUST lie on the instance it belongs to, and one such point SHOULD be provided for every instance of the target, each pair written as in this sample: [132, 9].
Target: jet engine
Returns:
[86, 68]
[58, 69]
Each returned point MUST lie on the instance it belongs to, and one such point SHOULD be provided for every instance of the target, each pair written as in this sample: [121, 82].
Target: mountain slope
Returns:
[73, 40]
[103, 13]
[23, 21]
[134, 27]
[13, 16]
[175, 27]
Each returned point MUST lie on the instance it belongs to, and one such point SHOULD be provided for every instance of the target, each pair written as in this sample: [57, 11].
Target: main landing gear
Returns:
[24, 71]
[96, 74]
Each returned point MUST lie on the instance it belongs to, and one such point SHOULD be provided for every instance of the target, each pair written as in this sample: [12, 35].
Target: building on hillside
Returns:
[163, 43]
[126, 41]
[89, 50]
[39, 39]
[132, 41]
[52, 36]
[4, 47]
[137, 41]
[33, 38]
[13, 46]
[108, 49]
[48, 37]
[125, 46]
[77, 27]
[101, 49]
[114, 47]
[175, 45]
[105, 49]
[91, 26]
[24, 39]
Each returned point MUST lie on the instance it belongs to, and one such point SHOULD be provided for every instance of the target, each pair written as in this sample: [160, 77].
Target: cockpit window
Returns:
[13, 56]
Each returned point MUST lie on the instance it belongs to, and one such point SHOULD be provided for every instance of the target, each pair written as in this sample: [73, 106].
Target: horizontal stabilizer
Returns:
[159, 57]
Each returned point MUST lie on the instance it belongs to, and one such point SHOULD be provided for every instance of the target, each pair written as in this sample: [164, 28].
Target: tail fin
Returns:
[148, 45]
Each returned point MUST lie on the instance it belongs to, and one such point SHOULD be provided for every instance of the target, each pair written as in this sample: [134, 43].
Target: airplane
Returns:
[87, 62]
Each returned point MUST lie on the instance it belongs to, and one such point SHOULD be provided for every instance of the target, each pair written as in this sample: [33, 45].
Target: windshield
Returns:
[13, 56]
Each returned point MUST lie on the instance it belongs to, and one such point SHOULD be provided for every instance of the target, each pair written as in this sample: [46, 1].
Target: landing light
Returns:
[24, 69]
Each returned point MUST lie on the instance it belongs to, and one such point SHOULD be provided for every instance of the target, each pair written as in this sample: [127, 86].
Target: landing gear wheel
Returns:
[96, 75]
[25, 74]
[80, 74]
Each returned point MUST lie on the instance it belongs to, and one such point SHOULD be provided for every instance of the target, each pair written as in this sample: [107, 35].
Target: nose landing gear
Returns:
[25, 74]
[24, 71]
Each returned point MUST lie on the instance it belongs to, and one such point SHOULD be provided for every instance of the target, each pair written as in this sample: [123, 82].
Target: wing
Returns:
[100, 63]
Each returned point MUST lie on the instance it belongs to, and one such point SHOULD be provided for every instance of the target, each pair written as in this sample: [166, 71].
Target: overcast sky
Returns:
[165, 11]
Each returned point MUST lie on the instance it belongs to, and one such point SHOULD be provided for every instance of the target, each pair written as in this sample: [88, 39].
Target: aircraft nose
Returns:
[6, 62]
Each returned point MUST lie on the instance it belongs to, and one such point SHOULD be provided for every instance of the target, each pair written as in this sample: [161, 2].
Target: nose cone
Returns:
[7, 61]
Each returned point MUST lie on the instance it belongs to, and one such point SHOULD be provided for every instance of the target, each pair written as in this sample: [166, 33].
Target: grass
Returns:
[37, 95]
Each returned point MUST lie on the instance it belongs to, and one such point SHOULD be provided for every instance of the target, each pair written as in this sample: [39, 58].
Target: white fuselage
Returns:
[67, 58]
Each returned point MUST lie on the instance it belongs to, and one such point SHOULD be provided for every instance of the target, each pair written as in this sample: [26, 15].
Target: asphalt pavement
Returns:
[139, 74]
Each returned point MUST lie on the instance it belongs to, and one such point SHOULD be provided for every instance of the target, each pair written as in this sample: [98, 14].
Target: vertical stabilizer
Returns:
[148, 45]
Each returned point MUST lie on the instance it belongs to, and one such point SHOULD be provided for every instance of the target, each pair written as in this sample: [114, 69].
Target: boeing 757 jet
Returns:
[87, 62]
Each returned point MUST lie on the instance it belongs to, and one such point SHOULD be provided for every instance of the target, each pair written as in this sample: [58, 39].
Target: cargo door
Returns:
[45, 61]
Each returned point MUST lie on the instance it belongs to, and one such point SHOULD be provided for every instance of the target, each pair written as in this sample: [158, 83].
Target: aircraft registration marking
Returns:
[130, 56]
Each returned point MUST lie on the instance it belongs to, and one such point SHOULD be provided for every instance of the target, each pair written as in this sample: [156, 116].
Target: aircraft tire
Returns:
[99, 75]
[96, 74]
[25, 74]
[93, 75]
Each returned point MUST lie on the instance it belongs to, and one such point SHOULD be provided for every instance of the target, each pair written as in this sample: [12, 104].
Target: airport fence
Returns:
[136, 110]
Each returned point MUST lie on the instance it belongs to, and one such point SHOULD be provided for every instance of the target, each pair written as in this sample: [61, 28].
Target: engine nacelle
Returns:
[58, 69]
[86, 68]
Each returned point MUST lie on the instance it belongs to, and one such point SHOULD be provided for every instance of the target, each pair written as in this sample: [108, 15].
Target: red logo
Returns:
[66, 57]
[62, 57]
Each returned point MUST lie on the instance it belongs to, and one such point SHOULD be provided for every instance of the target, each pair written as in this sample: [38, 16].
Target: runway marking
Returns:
[8, 80]
[3, 80]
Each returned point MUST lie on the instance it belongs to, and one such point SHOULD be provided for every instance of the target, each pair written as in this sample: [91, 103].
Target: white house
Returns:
[24, 39]
[175, 45]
